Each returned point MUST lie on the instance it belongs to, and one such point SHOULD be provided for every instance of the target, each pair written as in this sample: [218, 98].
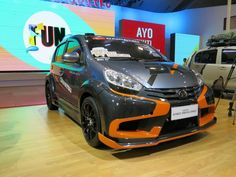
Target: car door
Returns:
[227, 59]
[206, 64]
[73, 73]
[57, 69]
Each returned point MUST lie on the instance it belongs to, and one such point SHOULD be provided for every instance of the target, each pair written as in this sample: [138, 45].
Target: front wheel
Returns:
[90, 121]
[48, 94]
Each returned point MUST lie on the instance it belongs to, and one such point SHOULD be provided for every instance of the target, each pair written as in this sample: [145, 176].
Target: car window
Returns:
[228, 56]
[198, 58]
[59, 53]
[206, 57]
[73, 46]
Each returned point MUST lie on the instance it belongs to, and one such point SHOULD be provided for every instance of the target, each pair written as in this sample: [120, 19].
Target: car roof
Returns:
[92, 36]
[216, 48]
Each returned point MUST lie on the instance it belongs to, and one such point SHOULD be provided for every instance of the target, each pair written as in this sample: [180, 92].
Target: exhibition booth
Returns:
[99, 88]
[33, 29]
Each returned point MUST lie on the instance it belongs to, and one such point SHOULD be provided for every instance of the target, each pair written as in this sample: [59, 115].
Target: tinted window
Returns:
[73, 46]
[59, 53]
[228, 56]
[206, 57]
[198, 58]
[122, 49]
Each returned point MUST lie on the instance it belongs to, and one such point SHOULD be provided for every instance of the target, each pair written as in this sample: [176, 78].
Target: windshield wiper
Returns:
[154, 59]
[102, 58]
[148, 60]
[135, 59]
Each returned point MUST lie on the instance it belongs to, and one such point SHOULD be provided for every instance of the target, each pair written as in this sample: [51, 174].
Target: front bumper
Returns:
[161, 139]
[145, 127]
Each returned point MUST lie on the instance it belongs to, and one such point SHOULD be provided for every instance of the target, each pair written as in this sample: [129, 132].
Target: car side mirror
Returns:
[70, 57]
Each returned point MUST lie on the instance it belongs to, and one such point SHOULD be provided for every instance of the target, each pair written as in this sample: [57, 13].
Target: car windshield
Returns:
[122, 49]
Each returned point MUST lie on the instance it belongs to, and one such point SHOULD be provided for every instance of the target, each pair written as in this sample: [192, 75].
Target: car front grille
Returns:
[179, 125]
[172, 94]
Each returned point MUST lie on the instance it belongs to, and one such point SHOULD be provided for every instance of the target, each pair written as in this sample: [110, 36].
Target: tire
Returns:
[48, 95]
[218, 86]
[217, 93]
[90, 122]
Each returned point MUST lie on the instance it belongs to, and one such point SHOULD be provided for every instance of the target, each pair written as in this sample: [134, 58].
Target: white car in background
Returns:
[214, 64]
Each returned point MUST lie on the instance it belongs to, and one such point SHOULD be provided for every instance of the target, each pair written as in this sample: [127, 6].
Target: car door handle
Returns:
[222, 68]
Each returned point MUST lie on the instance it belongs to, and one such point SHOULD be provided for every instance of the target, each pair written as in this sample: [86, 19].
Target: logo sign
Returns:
[182, 94]
[152, 34]
[42, 32]
[87, 3]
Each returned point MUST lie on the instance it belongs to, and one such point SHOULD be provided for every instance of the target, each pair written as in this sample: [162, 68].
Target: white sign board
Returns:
[183, 112]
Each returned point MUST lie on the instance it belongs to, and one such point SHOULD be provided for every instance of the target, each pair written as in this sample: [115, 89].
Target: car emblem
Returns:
[182, 94]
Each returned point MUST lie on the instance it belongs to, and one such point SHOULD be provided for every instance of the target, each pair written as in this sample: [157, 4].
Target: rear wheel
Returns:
[90, 121]
[48, 94]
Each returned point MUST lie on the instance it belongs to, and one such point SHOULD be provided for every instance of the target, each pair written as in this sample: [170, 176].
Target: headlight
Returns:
[122, 80]
[199, 78]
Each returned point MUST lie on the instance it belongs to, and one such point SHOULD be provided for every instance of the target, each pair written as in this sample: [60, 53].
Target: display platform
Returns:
[37, 142]
[22, 89]
[21, 96]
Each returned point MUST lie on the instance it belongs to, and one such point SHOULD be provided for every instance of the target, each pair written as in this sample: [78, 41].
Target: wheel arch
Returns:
[83, 96]
[49, 80]
[91, 91]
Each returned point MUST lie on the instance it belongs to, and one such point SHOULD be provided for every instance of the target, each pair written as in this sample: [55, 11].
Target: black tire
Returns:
[90, 121]
[217, 93]
[218, 87]
[48, 95]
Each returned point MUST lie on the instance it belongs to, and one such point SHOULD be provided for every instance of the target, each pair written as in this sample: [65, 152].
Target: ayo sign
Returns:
[42, 32]
[152, 34]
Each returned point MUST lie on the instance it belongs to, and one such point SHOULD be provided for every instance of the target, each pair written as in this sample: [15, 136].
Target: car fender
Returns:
[93, 88]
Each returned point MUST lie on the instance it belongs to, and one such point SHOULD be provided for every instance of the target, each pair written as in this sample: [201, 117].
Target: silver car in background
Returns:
[214, 64]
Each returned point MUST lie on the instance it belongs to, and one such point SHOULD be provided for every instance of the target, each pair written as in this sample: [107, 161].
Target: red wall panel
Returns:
[153, 34]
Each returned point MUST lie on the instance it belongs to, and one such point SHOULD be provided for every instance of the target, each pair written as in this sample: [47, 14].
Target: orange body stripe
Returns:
[201, 100]
[203, 104]
[161, 109]
[115, 145]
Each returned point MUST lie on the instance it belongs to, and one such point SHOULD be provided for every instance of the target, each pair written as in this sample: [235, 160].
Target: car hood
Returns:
[155, 74]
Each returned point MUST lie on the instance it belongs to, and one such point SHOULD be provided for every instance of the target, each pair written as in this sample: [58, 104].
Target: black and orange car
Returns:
[125, 94]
